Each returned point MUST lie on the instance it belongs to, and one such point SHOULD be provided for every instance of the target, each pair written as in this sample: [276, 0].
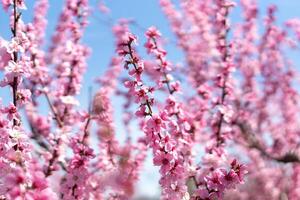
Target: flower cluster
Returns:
[213, 186]
[236, 67]
[156, 126]
[75, 184]
[220, 123]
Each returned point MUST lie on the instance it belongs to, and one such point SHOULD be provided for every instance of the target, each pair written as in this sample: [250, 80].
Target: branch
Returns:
[15, 53]
[253, 142]
[225, 54]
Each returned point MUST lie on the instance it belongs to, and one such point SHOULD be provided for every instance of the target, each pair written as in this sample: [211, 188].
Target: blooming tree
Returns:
[223, 126]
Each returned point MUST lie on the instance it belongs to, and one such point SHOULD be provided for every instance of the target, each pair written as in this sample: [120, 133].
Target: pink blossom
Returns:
[6, 4]
[220, 120]
[156, 123]
[162, 158]
[214, 182]
[12, 112]
[4, 55]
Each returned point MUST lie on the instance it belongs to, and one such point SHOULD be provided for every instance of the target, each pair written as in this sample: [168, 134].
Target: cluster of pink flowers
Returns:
[169, 133]
[223, 124]
[245, 106]
[212, 183]
[156, 126]
[75, 184]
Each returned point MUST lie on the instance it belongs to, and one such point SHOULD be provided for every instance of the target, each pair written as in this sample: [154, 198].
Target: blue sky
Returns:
[146, 12]
[98, 36]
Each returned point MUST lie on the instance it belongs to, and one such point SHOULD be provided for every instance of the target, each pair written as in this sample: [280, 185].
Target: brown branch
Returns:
[59, 122]
[85, 130]
[15, 53]
[167, 81]
[225, 56]
[37, 138]
[132, 61]
[56, 116]
[90, 110]
[253, 142]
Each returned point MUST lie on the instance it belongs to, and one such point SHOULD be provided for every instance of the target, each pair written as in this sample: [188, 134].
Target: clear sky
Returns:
[98, 36]
[146, 12]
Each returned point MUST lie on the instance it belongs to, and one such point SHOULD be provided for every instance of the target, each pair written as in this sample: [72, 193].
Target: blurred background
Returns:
[98, 36]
